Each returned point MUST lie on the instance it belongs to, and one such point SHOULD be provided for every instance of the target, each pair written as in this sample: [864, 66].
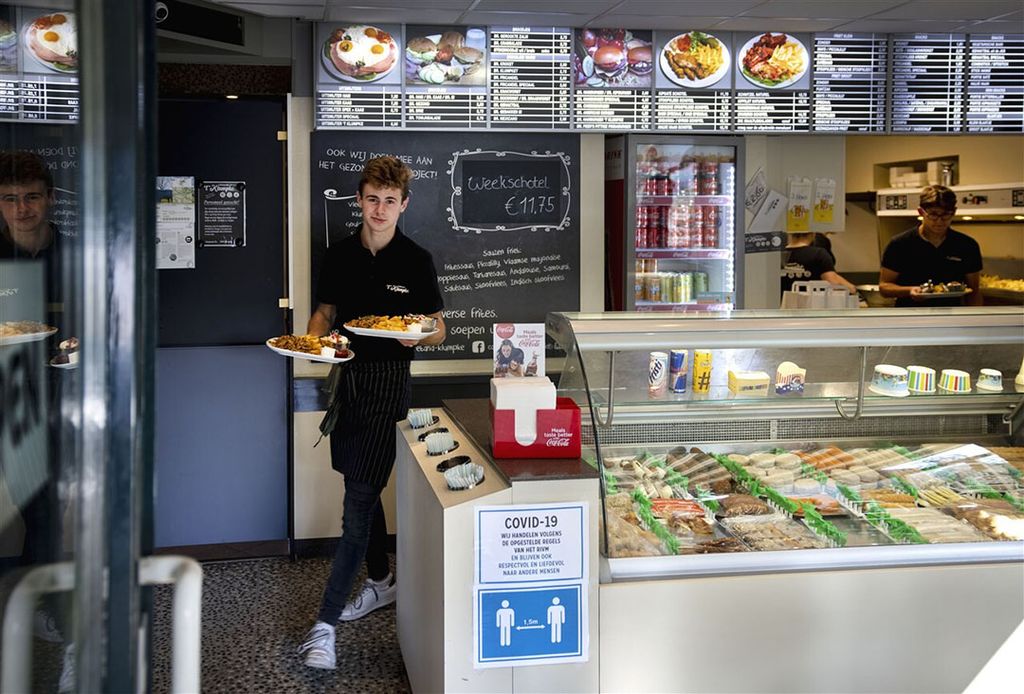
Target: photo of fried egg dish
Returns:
[360, 53]
[774, 60]
[53, 39]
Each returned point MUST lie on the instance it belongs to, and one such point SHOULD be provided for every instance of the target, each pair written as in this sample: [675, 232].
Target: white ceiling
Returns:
[884, 16]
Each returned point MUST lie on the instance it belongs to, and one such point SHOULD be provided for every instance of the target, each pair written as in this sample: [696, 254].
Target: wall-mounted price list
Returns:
[677, 109]
[850, 72]
[445, 107]
[928, 82]
[365, 106]
[613, 109]
[995, 83]
[531, 77]
[773, 111]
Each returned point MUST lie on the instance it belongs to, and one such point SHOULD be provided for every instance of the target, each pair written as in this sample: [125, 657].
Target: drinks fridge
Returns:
[671, 210]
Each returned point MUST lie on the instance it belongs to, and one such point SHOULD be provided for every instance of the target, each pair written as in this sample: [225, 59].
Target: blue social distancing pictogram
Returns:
[529, 623]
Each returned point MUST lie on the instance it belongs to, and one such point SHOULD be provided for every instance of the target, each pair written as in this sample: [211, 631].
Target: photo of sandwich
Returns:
[773, 61]
[52, 39]
[613, 58]
[359, 53]
[695, 59]
[448, 58]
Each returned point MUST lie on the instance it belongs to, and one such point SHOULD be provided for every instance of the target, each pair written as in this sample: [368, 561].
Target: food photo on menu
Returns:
[695, 59]
[50, 41]
[612, 59]
[773, 60]
[8, 40]
[359, 53]
[445, 56]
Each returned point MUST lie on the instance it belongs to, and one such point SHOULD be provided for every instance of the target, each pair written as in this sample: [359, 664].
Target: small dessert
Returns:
[68, 352]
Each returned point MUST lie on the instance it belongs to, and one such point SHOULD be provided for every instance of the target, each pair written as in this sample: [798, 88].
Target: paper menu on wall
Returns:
[798, 217]
[824, 200]
[175, 223]
[518, 349]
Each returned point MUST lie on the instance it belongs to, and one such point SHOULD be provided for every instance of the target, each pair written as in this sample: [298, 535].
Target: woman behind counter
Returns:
[806, 261]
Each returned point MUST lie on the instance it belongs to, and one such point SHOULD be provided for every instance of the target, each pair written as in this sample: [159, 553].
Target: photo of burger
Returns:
[359, 53]
[451, 57]
[613, 59]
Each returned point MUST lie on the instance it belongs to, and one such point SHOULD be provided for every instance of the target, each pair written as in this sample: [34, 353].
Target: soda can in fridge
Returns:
[707, 177]
[657, 373]
[727, 178]
[639, 290]
[687, 287]
[677, 288]
[652, 286]
[678, 370]
[701, 371]
[709, 227]
[687, 177]
[700, 286]
[666, 286]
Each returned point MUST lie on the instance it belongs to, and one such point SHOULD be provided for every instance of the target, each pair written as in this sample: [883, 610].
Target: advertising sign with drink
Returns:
[518, 349]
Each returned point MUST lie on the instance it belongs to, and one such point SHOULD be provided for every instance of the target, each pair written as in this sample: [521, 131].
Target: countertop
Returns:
[473, 415]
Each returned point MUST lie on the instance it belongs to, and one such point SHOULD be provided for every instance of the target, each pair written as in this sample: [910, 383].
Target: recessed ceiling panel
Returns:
[901, 26]
[821, 8]
[921, 10]
[787, 24]
[635, 21]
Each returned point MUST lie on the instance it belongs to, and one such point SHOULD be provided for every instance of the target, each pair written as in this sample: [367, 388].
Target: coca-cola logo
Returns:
[504, 330]
[558, 442]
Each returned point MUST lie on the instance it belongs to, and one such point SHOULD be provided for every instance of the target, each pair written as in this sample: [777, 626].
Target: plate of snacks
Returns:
[329, 349]
[67, 358]
[943, 290]
[18, 331]
[695, 59]
[412, 326]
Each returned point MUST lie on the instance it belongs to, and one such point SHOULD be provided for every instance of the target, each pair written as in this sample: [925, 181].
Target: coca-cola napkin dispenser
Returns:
[529, 421]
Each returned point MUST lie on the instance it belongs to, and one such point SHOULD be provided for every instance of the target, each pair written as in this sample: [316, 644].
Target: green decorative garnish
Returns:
[905, 486]
[850, 494]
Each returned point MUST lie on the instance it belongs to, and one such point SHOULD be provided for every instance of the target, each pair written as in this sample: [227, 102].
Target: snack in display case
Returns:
[936, 526]
[773, 532]
[998, 519]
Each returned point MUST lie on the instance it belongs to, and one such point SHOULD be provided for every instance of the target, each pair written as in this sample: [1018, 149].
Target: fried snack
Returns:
[22, 327]
[396, 323]
[307, 344]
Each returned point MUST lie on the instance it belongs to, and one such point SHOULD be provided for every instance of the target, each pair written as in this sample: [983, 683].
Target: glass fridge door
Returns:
[682, 252]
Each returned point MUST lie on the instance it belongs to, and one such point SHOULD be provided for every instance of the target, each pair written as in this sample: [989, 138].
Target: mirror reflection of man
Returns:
[26, 195]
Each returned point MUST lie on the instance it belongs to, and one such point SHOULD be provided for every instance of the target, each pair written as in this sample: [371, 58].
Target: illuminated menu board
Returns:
[612, 76]
[693, 82]
[773, 70]
[38, 65]
[445, 77]
[531, 77]
[995, 83]
[928, 83]
[358, 76]
[850, 72]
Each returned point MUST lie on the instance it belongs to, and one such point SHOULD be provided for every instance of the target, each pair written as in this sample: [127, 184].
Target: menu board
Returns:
[612, 73]
[501, 219]
[773, 82]
[928, 83]
[850, 73]
[445, 77]
[358, 76]
[557, 78]
[531, 77]
[38, 65]
[995, 83]
[693, 81]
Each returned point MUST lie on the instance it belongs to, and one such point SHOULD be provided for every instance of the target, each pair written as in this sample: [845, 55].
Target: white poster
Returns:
[518, 349]
[175, 223]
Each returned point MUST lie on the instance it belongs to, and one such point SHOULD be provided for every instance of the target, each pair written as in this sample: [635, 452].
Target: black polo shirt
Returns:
[400, 279]
[916, 261]
[805, 263]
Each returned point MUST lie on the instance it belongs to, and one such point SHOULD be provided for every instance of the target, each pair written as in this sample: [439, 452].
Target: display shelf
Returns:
[685, 253]
[658, 306]
[682, 199]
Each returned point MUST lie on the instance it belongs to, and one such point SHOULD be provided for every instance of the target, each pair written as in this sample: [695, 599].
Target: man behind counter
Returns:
[931, 251]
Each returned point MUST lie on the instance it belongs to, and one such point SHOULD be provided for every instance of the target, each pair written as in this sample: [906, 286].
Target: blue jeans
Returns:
[362, 520]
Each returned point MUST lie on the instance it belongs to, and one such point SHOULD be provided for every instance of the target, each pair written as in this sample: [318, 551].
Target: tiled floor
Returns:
[255, 614]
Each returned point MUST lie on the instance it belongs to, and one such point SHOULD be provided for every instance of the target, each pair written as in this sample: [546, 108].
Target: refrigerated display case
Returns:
[676, 223]
[807, 511]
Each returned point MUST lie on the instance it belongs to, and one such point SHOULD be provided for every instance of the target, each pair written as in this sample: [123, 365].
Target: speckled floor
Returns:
[256, 613]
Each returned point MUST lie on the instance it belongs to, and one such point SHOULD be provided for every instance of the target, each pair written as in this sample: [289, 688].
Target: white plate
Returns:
[310, 357]
[333, 71]
[704, 82]
[784, 83]
[928, 296]
[27, 30]
[27, 337]
[394, 334]
[69, 365]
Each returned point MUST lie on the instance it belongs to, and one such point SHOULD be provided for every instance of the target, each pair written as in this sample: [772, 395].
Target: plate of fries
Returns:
[307, 347]
[16, 332]
[408, 327]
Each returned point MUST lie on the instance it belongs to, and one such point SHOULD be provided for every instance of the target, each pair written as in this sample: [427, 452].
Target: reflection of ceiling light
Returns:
[1018, 216]
[231, 96]
[967, 217]
[920, 218]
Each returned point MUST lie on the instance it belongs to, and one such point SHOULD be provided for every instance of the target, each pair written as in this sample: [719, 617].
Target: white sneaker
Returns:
[66, 683]
[374, 595]
[319, 647]
[44, 627]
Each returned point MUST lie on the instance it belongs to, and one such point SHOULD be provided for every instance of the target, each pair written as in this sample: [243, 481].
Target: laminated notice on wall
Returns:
[798, 212]
[222, 214]
[824, 200]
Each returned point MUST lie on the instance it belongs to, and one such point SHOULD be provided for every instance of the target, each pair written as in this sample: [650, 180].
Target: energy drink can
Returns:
[678, 370]
[701, 372]
[700, 286]
[657, 373]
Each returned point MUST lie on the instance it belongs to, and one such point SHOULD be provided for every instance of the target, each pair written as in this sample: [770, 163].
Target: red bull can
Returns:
[657, 373]
[678, 370]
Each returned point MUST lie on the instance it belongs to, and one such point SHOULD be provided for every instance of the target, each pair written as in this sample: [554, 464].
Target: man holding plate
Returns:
[378, 271]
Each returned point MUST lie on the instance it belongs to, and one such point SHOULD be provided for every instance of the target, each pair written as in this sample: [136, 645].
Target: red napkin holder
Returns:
[558, 433]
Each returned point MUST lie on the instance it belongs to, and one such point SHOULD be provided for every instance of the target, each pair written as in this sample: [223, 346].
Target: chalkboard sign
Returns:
[499, 213]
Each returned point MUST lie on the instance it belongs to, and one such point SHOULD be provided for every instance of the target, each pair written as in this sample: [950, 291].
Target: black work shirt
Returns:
[805, 263]
[916, 261]
[50, 258]
[400, 279]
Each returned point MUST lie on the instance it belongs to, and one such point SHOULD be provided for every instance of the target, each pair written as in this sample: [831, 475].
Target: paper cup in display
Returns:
[889, 380]
[921, 379]
[990, 379]
[955, 381]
